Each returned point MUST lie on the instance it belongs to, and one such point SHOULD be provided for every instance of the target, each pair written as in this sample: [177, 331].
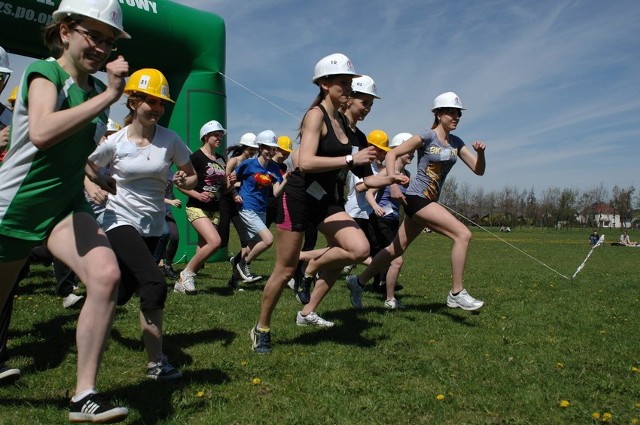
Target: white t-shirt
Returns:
[141, 177]
[357, 205]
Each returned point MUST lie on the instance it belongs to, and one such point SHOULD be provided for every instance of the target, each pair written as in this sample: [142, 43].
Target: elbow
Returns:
[304, 166]
[39, 139]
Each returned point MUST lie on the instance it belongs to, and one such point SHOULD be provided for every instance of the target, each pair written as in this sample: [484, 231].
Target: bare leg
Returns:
[151, 325]
[266, 240]
[440, 220]
[408, 231]
[392, 277]
[287, 253]
[208, 243]
[79, 242]
[347, 244]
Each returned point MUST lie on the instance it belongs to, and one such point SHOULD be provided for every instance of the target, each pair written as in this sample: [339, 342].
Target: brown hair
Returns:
[51, 34]
[435, 117]
[133, 102]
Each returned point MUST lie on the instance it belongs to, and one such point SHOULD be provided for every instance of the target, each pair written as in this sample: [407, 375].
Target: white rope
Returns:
[261, 97]
[581, 266]
[505, 241]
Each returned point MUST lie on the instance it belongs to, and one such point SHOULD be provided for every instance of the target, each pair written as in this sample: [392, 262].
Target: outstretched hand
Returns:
[478, 146]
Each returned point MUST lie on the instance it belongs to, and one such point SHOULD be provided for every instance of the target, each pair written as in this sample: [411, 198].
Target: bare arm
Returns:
[475, 162]
[313, 129]
[47, 126]
[185, 177]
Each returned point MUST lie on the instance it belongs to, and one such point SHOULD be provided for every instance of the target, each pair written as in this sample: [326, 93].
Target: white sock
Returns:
[83, 394]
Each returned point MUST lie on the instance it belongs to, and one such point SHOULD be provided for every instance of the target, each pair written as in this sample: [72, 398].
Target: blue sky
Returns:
[552, 87]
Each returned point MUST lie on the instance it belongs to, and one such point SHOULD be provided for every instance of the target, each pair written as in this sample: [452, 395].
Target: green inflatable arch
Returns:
[186, 44]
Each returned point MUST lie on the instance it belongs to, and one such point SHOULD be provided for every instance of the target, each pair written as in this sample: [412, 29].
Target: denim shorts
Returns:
[254, 221]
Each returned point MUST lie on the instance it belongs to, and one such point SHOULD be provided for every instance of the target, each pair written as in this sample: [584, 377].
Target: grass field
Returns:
[543, 350]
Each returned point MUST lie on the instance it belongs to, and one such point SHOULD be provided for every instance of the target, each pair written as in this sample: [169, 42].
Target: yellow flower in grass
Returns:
[564, 403]
[244, 363]
[559, 365]
[635, 421]
[256, 381]
[200, 394]
[596, 416]
[607, 417]
[637, 405]
[440, 397]
[634, 369]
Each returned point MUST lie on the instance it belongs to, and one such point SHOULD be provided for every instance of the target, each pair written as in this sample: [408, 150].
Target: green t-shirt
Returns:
[38, 188]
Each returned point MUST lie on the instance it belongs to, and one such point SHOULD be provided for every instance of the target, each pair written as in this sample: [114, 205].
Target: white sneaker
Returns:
[292, 284]
[71, 300]
[312, 319]
[393, 304]
[464, 301]
[347, 269]
[186, 284]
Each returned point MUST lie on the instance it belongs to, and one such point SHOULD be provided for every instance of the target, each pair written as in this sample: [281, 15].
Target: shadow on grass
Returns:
[350, 332]
[174, 344]
[163, 405]
[455, 314]
[56, 329]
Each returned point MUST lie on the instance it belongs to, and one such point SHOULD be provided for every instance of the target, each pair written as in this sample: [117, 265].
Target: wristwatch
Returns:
[349, 160]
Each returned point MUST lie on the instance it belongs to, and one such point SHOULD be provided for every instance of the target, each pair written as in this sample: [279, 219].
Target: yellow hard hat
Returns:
[149, 81]
[12, 96]
[284, 143]
[379, 138]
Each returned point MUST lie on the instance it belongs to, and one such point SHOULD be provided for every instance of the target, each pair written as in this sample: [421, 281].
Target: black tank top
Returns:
[329, 146]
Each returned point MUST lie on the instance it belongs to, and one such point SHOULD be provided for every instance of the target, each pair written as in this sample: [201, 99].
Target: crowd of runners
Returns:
[97, 198]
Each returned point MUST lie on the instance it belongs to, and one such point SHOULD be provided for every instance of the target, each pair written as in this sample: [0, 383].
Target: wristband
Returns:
[349, 160]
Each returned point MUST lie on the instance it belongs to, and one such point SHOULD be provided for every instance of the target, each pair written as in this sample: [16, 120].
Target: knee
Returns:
[213, 244]
[104, 279]
[360, 253]
[465, 236]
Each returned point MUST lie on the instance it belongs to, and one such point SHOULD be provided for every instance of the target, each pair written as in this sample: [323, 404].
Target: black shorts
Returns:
[297, 210]
[385, 230]
[414, 204]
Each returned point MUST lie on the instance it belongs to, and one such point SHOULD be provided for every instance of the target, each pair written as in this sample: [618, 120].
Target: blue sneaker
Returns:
[260, 340]
[355, 290]
[304, 291]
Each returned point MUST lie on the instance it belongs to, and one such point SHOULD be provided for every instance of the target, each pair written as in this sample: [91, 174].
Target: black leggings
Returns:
[168, 243]
[139, 272]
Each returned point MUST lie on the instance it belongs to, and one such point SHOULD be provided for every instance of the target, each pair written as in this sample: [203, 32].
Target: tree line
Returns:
[554, 208]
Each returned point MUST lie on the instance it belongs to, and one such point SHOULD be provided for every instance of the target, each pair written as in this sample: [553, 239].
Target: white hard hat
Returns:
[399, 139]
[113, 126]
[447, 100]
[107, 11]
[248, 140]
[365, 85]
[267, 138]
[210, 127]
[4, 61]
[334, 64]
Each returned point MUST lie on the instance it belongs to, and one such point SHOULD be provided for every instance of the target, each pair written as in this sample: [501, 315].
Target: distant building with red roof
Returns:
[602, 214]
